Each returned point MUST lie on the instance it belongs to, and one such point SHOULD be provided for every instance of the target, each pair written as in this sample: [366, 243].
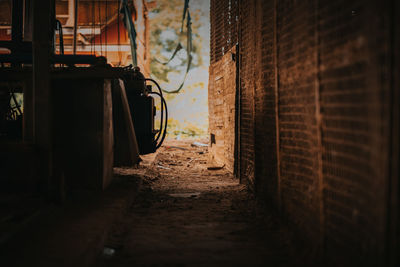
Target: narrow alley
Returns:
[187, 215]
[199, 133]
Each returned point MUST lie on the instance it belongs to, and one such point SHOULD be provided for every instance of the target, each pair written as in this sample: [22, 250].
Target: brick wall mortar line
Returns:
[237, 95]
[257, 86]
[392, 233]
[319, 131]
[276, 89]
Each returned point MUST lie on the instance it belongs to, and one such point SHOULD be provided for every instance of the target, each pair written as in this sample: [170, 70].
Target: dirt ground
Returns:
[188, 215]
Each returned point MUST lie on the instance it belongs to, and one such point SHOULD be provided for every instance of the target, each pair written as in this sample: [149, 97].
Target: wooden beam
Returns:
[17, 17]
[28, 22]
[16, 26]
[43, 21]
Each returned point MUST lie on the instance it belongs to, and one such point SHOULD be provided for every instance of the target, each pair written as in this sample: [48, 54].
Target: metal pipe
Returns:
[75, 24]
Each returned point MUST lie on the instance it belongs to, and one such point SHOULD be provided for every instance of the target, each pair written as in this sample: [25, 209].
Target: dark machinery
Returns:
[86, 119]
[140, 99]
[139, 94]
[143, 110]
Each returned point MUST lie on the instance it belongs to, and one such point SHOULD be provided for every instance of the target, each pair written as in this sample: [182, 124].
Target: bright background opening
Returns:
[188, 110]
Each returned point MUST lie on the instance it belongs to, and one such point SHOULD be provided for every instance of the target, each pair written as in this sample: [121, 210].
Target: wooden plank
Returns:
[126, 147]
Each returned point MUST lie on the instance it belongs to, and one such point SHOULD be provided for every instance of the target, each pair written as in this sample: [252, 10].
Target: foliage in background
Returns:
[191, 130]
[166, 21]
[188, 110]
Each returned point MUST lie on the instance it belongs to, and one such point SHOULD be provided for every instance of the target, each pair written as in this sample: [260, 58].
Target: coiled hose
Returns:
[163, 124]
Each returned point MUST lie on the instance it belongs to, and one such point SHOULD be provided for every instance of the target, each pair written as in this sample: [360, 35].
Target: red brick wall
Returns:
[298, 114]
[265, 115]
[393, 231]
[354, 61]
[221, 101]
[222, 81]
[248, 61]
[317, 129]
[224, 18]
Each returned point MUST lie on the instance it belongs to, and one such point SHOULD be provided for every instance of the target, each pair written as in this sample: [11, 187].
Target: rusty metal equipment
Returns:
[78, 116]
[143, 110]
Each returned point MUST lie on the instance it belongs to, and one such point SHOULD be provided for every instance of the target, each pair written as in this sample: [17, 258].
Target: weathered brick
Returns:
[314, 128]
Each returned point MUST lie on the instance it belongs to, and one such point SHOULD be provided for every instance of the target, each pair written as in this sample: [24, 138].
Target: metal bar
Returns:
[55, 59]
[75, 24]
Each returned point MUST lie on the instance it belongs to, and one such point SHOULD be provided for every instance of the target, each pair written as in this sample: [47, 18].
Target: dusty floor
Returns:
[187, 215]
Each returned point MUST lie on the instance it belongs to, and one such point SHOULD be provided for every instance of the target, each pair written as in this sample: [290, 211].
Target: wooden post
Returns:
[28, 20]
[43, 21]
[16, 27]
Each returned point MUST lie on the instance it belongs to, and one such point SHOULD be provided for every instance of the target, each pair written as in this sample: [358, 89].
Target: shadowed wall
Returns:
[316, 134]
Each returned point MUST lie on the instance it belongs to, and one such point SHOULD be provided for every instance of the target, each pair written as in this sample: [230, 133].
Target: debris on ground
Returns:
[193, 216]
[163, 167]
[214, 168]
[175, 147]
[198, 144]
[185, 195]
